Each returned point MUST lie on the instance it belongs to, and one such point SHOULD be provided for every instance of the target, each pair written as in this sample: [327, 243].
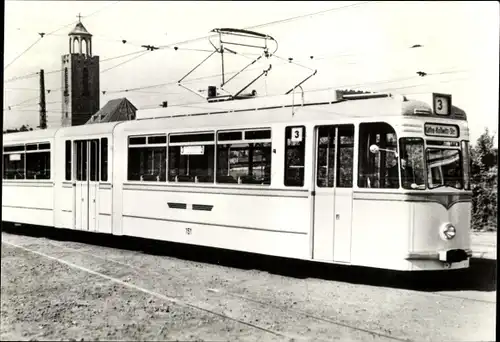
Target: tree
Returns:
[23, 128]
[484, 179]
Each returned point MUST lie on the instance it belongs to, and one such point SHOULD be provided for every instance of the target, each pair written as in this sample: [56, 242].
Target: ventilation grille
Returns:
[177, 205]
[202, 207]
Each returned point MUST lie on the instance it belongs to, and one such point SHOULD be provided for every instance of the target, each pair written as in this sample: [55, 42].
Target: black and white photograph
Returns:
[249, 170]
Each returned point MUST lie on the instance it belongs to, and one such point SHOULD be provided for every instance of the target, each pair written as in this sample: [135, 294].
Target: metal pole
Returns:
[43, 113]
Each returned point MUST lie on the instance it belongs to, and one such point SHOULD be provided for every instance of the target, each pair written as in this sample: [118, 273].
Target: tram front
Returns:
[427, 171]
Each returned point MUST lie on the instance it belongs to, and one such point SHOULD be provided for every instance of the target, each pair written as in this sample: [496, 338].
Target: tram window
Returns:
[137, 141]
[225, 136]
[412, 163]
[157, 139]
[38, 165]
[147, 163]
[326, 156]
[191, 163]
[295, 138]
[68, 160]
[104, 159]
[31, 147]
[444, 168]
[147, 158]
[81, 160]
[18, 148]
[245, 161]
[94, 160]
[196, 137]
[377, 169]
[345, 156]
[191, 157]
[13, 165]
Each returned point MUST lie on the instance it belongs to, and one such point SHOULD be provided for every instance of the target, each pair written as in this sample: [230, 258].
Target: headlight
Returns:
[447, 231]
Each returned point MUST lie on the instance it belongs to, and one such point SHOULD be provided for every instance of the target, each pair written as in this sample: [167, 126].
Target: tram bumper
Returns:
[447, 256]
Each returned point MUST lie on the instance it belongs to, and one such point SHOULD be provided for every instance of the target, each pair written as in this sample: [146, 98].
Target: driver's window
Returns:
[378, 162]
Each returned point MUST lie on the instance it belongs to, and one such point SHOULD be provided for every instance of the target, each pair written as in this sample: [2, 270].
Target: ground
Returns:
[54, 289]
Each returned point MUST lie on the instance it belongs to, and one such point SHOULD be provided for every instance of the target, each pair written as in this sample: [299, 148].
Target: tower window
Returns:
[85, 82]
[66, 90]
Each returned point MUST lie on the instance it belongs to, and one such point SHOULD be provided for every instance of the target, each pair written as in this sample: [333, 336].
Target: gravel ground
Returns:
[81, 291]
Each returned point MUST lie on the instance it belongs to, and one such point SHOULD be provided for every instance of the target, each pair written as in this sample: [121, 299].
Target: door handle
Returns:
[337, 217]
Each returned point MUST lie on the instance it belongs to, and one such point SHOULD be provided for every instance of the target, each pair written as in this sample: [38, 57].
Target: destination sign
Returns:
[192, 150]
[434, 130]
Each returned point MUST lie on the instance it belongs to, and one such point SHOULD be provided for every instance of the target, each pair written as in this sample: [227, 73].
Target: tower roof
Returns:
[79, 30]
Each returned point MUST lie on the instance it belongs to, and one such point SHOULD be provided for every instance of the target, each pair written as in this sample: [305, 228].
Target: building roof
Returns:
[79, 30]
[115, 110]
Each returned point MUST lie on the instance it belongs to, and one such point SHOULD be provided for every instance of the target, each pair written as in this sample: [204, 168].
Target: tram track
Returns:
[220, 292]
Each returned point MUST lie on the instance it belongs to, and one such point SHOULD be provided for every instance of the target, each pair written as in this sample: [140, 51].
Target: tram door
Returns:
[87, 184]
[333, 193]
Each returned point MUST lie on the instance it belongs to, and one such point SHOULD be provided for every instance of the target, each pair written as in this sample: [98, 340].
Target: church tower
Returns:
[80, 79]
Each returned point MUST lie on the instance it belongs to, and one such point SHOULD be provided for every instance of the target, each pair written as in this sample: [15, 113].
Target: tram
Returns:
[375, 180]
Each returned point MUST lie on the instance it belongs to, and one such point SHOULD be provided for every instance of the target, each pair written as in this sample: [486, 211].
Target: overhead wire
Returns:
[270, 23]
[282, 21]
[204, 77]
[52, 32]
[22, 53]
[127, 61]
[35, 74]
[147, 107]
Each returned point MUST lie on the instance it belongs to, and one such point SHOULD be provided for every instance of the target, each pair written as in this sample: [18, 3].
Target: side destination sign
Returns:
[434, 130]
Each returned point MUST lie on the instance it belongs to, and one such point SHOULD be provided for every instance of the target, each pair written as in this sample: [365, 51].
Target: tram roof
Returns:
[272, 110]
[87, 130]
[255, 111]
[35, 135]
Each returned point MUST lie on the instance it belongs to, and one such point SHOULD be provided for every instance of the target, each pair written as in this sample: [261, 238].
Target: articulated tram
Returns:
[374, 180]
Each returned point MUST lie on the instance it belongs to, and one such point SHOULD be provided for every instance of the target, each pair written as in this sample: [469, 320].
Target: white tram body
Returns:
[302, 181]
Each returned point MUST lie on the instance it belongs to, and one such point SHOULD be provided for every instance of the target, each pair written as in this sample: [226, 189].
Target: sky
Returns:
[351, 43]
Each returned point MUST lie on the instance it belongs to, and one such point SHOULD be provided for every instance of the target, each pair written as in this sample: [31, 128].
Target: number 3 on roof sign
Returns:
[441, 104]
[297, 134]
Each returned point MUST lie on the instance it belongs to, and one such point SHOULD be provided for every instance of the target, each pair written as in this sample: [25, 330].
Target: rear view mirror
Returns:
[375, 149]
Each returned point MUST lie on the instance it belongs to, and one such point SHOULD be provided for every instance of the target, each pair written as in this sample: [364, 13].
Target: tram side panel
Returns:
[380, 231]
[28, 192]
[266, 219]
[28, 203]
[267, 222]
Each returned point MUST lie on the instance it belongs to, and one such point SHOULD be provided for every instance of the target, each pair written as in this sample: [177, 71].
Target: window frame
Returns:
[289, 128]
[361, 153]
[192, 142]
[460, 162]
[243, 133]
[146, 144]
[68, 163]
[21, 149]
[424, 162]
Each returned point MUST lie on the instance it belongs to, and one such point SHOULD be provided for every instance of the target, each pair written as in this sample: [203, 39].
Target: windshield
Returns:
[412, 163]
[444, 168]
